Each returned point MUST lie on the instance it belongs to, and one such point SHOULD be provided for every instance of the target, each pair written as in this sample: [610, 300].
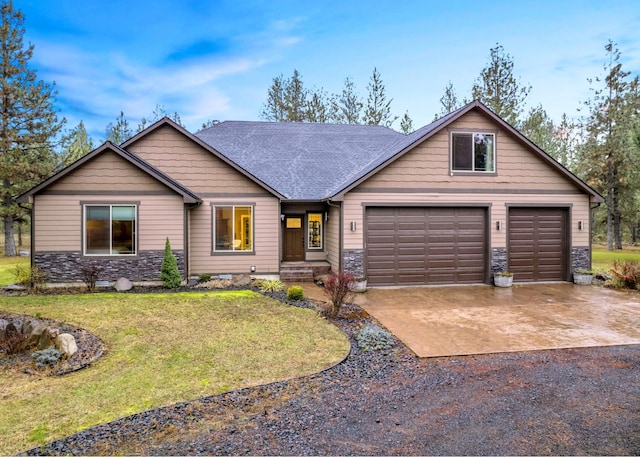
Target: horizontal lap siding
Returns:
[190, 164]
[332, 238]
[58, 219]
[266, 258]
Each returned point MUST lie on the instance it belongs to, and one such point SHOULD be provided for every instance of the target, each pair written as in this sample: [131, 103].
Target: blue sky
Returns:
[216, 59]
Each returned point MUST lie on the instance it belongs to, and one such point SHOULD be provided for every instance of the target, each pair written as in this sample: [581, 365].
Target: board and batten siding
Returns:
[58, 219]
[355, 202]
[266, 255]
[190, 164]
[107, 172]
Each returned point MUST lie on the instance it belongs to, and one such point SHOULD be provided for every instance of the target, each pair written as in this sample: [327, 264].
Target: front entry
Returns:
[293, 239]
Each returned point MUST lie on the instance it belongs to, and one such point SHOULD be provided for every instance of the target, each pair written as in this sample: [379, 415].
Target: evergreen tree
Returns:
[295, 98]
[449, 101]
[169, 272]
[378, 108]
[609, 158]
[406, 124]
[348, 105]
[274, 108]
[158, 113]
[119, 132]
[539, 128]
[76, 144]
[498, 88]
[28, 121]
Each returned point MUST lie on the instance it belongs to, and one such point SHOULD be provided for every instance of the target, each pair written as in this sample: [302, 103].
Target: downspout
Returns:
[591, 223]
[32, 241]
[340, 233]
[187, 213]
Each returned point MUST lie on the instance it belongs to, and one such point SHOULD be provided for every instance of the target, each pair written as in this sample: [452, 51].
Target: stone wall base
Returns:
[580, 258]
[66, 267]
[353, 261]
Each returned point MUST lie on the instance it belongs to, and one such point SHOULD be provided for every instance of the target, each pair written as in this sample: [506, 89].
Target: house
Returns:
[451, 203]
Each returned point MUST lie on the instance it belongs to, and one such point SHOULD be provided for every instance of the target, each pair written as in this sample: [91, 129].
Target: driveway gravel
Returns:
[552, 402]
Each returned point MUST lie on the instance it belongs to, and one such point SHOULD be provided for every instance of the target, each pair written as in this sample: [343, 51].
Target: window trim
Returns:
[308, 247]
[233, 205]
[110, 204]
[472, 172]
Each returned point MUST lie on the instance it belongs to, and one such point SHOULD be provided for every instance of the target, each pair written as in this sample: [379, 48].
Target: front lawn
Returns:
[602, 260]
[8, 267]
[161, 349]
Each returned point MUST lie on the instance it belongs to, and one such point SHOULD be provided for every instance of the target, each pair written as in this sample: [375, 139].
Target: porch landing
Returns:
[303, 271]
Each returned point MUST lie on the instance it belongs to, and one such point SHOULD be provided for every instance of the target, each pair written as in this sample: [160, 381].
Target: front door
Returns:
[293, 239]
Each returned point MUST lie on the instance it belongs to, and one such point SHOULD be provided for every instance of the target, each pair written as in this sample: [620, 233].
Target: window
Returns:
[473, 152]
[314, 235]
[233, 228]
[110, 230]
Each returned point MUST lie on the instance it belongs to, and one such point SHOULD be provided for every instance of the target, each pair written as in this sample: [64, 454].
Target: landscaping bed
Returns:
[577, 401]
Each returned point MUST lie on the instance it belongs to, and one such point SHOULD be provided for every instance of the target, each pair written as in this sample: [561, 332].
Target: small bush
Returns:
[374, 338]
[169, 272]
[339, 288]
[12, 342]
[270, 285]
[47, 357]
[295, 293]
[90, 272]
[626, 275]
[32, 277]
[204, 277]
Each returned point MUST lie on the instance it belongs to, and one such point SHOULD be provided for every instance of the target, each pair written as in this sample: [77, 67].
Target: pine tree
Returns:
[449, 101]
[348, 105]
[76, 144]
[119, 132]
[28, 121]
[498, 88]
[406, 124]
[378, 108]
[169, 272]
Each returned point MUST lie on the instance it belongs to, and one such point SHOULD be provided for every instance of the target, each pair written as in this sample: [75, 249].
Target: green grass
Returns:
[7, 267]
[602, 260]
[161, 349]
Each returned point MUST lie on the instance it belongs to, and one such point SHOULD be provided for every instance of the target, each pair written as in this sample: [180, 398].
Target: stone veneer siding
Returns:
[67, 266]
[352, 260]
[580, 258]
[498, 260]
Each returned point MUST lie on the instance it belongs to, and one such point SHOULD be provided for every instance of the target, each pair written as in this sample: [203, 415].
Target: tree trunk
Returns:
[9, 242]
[19, 235]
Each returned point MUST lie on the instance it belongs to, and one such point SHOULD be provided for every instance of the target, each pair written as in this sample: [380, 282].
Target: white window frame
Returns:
[111, 206]
[473, 151]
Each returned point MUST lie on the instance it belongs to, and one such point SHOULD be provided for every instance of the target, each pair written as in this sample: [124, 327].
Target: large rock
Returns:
[241, 280]
[123, 284]
[48, 338]
[66, 343]
[33, 329]
[3, 325]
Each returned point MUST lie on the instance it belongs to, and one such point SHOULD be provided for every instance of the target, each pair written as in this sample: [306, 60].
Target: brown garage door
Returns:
[415, 246]
[538, 244]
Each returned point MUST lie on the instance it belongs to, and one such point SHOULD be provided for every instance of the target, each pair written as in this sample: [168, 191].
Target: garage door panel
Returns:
[537, 245]
[425, 245]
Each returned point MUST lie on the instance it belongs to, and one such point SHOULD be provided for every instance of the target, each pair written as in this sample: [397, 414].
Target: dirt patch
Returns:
[572, 401]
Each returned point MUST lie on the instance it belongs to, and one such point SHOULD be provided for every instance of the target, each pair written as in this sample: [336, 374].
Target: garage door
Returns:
[416, 246]
[537, 244]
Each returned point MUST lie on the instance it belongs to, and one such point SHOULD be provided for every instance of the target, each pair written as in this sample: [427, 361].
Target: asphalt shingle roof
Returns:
[302, 161]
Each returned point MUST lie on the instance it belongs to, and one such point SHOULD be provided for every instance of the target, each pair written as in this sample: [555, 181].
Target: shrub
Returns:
[339, 288]
[12, 341]
[295, 293]
[32, 277]
[204, 277]
[47, 357]
[169, 272]
[626, 275]
[90, 272]
[270, 285]
[374, 338]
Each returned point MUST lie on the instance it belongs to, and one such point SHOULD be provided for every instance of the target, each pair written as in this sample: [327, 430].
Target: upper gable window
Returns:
[473, 152]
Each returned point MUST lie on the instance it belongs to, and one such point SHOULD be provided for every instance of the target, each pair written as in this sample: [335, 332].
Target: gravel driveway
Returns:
[569, 401]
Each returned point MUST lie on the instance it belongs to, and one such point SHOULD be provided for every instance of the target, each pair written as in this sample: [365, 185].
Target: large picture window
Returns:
[314, 227]
[233, 228]
[473, 152]
[110, 230]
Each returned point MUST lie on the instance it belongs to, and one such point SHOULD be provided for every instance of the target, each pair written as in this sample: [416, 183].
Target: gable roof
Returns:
[165, 121]
[187, 195]
[303, 161]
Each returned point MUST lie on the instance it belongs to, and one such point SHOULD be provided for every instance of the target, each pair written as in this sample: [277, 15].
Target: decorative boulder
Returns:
[48, 338]
[241, 280]
[33, 329]
[66, 343]
[3, 325]
[123, 284]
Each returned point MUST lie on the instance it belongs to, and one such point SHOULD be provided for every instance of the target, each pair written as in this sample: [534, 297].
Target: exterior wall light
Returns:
[353, 226]
[498, 225]
[580, 225]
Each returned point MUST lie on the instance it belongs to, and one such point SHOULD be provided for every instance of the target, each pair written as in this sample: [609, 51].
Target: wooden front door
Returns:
[293, 239]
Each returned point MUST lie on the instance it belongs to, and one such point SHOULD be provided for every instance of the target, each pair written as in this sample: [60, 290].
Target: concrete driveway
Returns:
[462, 320]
